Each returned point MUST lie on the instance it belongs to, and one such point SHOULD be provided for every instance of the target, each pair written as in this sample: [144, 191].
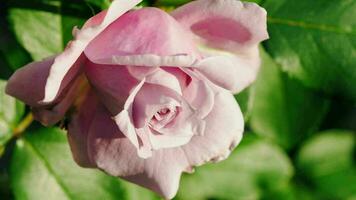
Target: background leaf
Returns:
[12, 55]
[11, 112]
[42, 159]
[315, 41]
[327, 161]
[283, 110]
[48, 25]
[255, 167]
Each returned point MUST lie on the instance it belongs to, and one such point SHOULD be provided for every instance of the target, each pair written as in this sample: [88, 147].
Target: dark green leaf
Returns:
[253, 168]
[326, 161]
[173, 3]
[42, 168]
[315, 41]
[12, 55]
[283, 110]
[11, 112]
[103, 4]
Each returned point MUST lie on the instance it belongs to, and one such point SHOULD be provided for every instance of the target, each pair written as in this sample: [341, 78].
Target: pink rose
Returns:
[148, 95]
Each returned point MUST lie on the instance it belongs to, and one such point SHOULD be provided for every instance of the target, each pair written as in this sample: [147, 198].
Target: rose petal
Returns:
[224, 24]
[78, 129]
[152, 98]
[126, 125]
[199, 94]
[229, 31]
[28, 82]
[230, 72]
[113, 84]
[51, 114]
[150, 60]
[134, 39]
[223, 131]
[115, 154]
[28, 85]
[64, 62]
[163, 78]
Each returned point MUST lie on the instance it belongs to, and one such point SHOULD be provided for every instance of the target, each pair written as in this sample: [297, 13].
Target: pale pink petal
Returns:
[159, 141]
[126, 125]
[225, 24]
[230, 72]
[150, 99]
[51, 114]
[183, 78]
[229, 31]
[150, 60]
[199, 94]
[115, 154]
[163, 78]
[64, 62]
[78, 129]
[136, 34]
[139, 72]
[28, 82]
[113, 84]
[28, 85]
[223, 131]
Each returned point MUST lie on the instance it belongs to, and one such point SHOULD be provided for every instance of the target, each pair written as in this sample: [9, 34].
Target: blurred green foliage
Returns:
[300, 114]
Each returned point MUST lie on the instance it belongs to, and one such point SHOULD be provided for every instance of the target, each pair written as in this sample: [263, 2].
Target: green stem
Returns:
[22, 126]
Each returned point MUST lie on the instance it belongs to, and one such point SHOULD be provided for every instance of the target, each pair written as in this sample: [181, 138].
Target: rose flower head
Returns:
[149, 94]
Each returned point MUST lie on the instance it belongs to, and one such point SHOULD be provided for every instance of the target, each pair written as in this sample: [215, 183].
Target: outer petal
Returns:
[28, 82]
[115, 154]
[224, 128]
[224, 24]
[135, 39]
[51, 114]
[234, 29]
[64, 62]
[78, 129]
[28, 85]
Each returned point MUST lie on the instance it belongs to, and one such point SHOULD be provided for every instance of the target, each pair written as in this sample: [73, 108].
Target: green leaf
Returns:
[255, 167]
[134, 192]
[283, 110]
[12, 55]
[174, 3]
[11, 112]
[326, 161]
[103, 4]
[244, 101]
[45, 27]
[42, 167]
[315, 41]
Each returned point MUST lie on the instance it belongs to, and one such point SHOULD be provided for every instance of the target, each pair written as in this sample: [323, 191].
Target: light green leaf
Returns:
[315, 41]
[44, 29]
[38, 31]
[255, 167]
[283, 110]
[42, 167]
[326, 161]
[11, 112]
[244, 99]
